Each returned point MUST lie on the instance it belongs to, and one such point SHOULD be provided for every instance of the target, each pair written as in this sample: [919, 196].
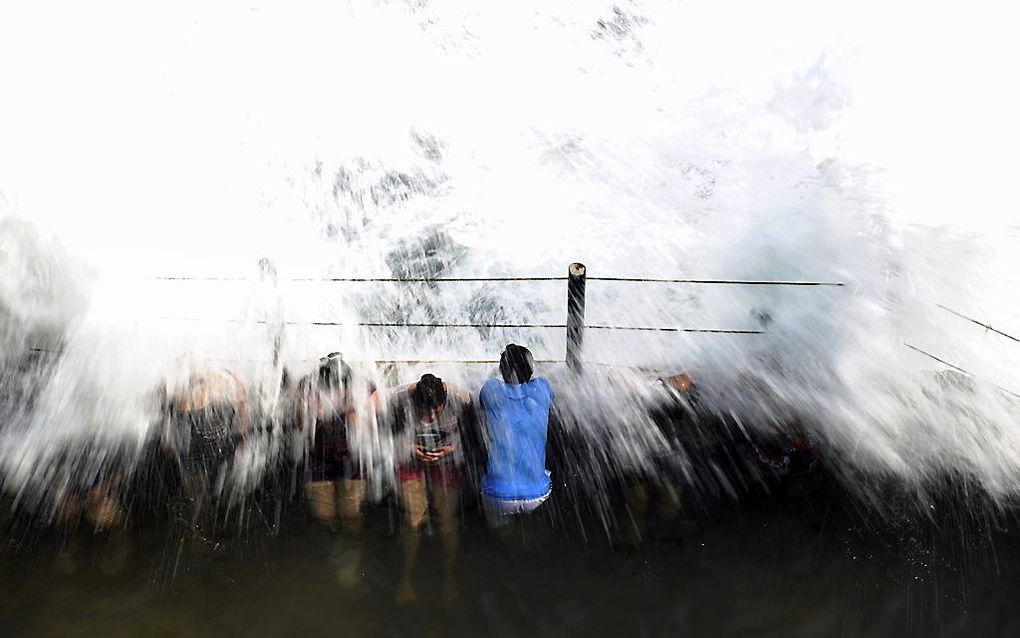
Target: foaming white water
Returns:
[646, 140]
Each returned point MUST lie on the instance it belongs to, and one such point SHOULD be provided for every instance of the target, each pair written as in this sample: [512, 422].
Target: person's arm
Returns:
[472, 439]
[166, 408]
[482, 415]
[683, 391]
[240, 398]
[396, 410]
[376, 407]
[102, 490]
[302, 405]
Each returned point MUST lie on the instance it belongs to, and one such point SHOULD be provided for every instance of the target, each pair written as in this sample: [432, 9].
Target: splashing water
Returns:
[432, 140]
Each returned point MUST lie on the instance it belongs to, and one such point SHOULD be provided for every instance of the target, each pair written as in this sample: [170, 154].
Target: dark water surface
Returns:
[799, 563]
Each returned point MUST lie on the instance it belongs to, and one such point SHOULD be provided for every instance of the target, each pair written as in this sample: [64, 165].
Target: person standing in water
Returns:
[430, 420]
[326, 410]
[516, 426]
[674, 413]
[267, 308]
[206, 418]
[90, 492]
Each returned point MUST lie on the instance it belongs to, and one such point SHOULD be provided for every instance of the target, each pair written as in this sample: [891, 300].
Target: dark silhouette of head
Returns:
[267, 271]
[334, 373]
[516, 364]
[429, 393]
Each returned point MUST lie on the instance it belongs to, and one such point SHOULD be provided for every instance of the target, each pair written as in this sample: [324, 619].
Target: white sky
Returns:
[123, 121]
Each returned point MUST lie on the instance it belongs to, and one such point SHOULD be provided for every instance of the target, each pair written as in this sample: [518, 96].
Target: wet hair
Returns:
[516, 364]
[266, 269]
[334, 372]
[429, 393]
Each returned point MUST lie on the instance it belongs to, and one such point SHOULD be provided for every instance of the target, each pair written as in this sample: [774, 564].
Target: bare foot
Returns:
[67, 558]
[115, 554]
[406, 595]
[348, 567]
[450, 593]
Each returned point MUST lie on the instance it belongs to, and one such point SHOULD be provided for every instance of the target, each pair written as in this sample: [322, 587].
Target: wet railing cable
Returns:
[382, 361]
[667, 329]
[726, 282]
[959, 369]
[371, 279]
[378, 324]
[979, 323]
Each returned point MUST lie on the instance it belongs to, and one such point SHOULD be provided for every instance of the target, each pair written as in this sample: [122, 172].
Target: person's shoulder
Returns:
[225, 380]
[542, 384]
[491, 386]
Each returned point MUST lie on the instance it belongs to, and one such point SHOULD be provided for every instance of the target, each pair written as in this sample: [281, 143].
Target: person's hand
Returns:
[431, 455]
[103, 511]
[681, 382]
[441, 452]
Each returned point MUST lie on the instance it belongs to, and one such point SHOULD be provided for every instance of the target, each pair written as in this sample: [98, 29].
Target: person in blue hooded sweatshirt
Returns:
[516, 426]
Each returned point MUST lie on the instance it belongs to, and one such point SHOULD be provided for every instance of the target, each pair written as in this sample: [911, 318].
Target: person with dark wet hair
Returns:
[206, 419]
[430, 420]
[781, 440]
[658, 489]
[326, 409]
[89, 491]
[785, 448]
[516, 425]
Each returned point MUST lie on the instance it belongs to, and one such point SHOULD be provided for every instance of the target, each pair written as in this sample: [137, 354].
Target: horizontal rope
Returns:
[409, 361]
[657, 329]
[728, 282]
[469, 361]
[975, 321]
[461, 325]
[370, 279]
[959, 369]
[372, 324]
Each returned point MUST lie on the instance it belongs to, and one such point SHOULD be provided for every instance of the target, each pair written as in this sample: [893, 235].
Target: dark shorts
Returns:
[342, 466]
[202, 460]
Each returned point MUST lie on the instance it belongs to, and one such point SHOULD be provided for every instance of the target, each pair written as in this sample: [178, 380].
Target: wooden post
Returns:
[575, 315]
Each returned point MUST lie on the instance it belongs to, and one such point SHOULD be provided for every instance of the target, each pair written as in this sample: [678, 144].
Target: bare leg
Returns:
[671, 501]
[637, 510]
[196, 485]
[106, 516]
[68, 511]
[321, 497]
[103, 512]
[415, 509]
[352, 494]
[447, 505]
[352, 497]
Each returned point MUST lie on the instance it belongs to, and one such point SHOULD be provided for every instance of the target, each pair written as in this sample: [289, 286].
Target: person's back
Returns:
[516, 427]
[517, 418]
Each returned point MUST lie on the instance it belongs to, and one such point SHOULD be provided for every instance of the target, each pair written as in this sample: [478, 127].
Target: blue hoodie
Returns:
[517, 422]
